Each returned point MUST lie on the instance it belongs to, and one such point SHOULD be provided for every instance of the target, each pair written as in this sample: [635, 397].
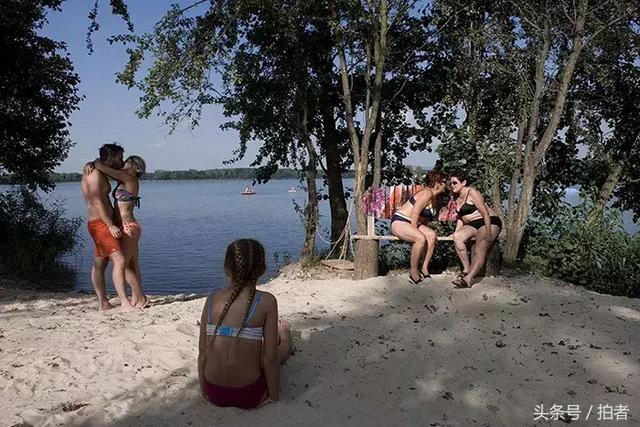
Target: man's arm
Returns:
[117, 174]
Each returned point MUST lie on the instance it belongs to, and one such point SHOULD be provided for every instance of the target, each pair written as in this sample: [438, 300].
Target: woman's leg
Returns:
[130, 248]
[405, 231]
[432, 238]
[480, 250]
[284, 340]
[460, 238]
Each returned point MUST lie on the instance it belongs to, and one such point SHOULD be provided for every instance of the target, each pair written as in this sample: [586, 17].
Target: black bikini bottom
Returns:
[479, 223]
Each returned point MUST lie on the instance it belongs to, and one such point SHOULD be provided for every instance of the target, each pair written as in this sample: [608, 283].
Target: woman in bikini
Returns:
[475, 220]
[126, 197]
[408, 224]
[242, 343]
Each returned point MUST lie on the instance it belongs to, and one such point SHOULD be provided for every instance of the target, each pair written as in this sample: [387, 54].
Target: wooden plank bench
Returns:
[371, 233]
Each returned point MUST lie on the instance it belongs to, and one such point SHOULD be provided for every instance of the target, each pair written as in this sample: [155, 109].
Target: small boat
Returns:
[292, 190]
[248, 191]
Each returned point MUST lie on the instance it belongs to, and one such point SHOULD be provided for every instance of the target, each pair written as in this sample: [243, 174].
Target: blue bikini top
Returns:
[254, 333]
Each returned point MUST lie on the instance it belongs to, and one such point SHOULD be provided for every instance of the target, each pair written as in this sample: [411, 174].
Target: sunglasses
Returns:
[455, 182]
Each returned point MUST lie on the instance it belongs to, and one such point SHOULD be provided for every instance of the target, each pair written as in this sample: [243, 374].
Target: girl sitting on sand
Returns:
[242, 343]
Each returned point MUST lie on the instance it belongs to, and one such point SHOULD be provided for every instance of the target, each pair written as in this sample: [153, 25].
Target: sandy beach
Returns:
[377, 352]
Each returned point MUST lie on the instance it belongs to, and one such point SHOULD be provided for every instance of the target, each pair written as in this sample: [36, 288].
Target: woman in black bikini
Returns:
[475, 219]
[408, 223]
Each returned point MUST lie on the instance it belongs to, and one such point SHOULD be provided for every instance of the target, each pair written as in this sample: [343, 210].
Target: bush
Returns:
[34, 237]
[592, 252]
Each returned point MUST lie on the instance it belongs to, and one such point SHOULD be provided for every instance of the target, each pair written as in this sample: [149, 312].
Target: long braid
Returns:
[227, 305]
[244, 264]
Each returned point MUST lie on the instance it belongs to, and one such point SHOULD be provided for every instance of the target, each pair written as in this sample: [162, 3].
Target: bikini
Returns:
[245, 397]
[427, 213]
[469, 208]
[132, 229]
[122, 195]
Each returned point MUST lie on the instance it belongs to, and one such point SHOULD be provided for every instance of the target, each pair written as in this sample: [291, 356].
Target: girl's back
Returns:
[231, 361]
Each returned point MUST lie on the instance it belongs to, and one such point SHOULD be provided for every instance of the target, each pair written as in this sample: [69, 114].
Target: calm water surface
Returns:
[187, 225]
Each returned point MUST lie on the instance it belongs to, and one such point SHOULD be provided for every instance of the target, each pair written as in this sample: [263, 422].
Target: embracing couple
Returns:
[114, 228]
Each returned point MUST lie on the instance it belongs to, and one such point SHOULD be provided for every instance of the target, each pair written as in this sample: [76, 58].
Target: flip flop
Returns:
[462, 274]
[415, 282]
[460, 283]
[425, 276]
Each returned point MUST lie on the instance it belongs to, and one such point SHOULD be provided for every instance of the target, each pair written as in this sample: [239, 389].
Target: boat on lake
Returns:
[248, 191]
[292, 190]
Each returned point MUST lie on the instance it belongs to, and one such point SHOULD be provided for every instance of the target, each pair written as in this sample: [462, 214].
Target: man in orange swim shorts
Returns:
[106, 235]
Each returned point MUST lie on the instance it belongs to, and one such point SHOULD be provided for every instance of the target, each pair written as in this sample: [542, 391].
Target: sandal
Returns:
[460, 283]
[415, 282]
[425, 276]
[462, 274]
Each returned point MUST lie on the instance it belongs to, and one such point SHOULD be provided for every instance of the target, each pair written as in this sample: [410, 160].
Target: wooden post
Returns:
[371, 225]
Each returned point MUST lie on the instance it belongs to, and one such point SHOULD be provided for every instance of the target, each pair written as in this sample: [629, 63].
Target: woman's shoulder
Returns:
[267, 298]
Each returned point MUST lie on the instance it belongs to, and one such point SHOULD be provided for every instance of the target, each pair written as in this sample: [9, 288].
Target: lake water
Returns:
[187, 225]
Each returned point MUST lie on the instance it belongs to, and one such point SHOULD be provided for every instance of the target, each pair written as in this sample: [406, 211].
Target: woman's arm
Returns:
[202, 349]
[478, 200]
[116, 174]
[270, 356]
[422, 198]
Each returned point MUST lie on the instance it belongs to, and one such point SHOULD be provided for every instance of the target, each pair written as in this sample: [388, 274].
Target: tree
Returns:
[541, 51]
[38, 92]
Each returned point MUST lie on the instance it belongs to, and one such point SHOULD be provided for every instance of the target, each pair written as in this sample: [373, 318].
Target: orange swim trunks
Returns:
[105, 243]
[132, 229]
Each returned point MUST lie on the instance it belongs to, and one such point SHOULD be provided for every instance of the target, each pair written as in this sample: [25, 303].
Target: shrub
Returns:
[33, 237]
[594, 252]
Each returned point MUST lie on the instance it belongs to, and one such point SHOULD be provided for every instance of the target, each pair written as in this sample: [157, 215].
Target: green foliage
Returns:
[38, 92]
[395, 256]
[592, 252]
[33, 237]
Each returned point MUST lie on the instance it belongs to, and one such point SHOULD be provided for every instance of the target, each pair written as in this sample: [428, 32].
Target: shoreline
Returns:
[378, 351]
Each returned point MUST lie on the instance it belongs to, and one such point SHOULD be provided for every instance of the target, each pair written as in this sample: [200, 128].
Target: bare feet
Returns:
[128, 307]
[144, 303]
[105, 305]
[284, 336]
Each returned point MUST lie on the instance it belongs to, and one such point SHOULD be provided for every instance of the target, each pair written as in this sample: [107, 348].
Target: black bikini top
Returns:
[427, 213]
[466, 208]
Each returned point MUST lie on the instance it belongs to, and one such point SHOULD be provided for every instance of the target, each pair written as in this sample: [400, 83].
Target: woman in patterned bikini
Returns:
[475, 220]
[242, 343]
[126, 197]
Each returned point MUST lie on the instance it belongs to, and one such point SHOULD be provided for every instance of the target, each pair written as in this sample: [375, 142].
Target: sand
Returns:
[378, 352]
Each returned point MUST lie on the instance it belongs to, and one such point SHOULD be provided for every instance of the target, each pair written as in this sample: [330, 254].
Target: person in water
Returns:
[475, 220]
[409, 224]
[242, 343]
[126, 197]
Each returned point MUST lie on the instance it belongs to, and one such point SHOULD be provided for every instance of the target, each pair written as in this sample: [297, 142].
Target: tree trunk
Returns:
[337, 201]
[311, 172]
[533, 157]
[330, 144]
[609, 185]
[311, 216]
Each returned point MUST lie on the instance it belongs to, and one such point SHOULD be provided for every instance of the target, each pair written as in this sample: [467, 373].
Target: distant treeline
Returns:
[162, 175]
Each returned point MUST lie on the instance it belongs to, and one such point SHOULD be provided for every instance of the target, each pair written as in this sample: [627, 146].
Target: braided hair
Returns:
[244, 263]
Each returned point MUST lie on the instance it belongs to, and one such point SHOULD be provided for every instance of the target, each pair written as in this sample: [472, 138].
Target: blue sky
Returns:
[107, 113]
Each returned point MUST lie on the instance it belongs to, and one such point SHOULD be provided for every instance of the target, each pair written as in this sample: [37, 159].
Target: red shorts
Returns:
[245, 397]
[105, 243]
